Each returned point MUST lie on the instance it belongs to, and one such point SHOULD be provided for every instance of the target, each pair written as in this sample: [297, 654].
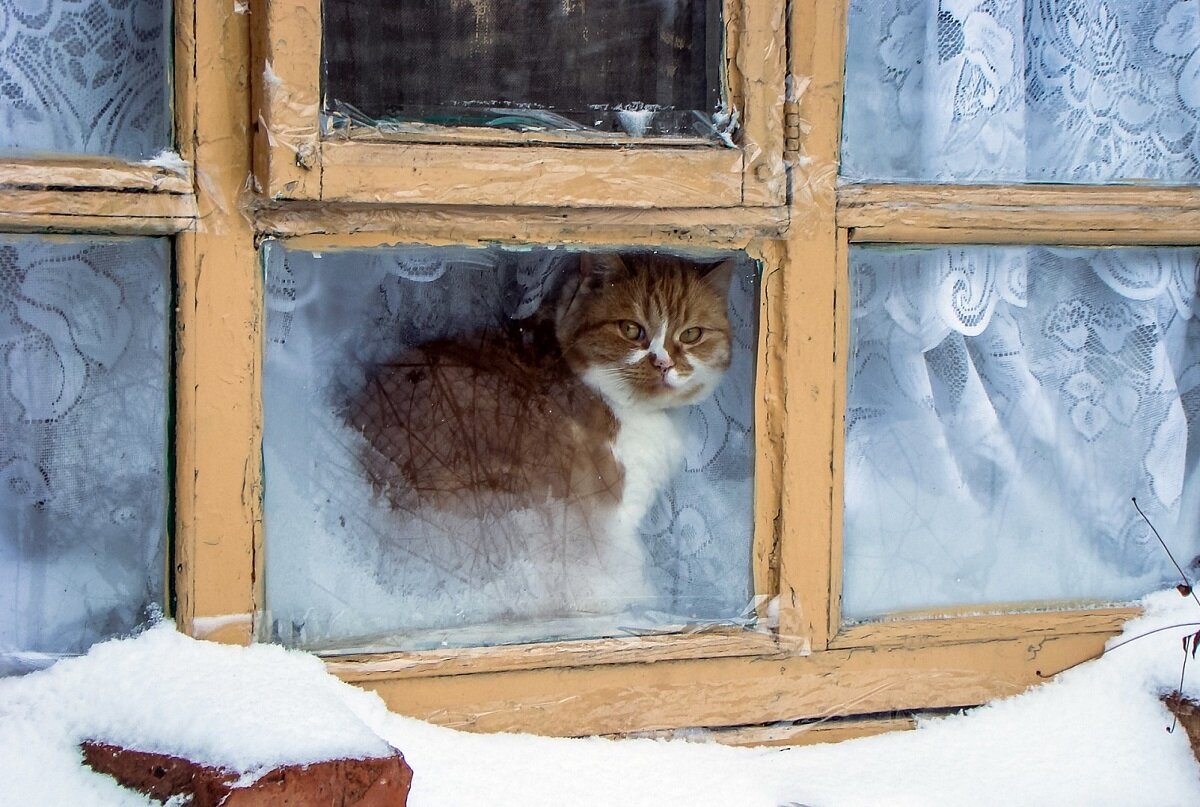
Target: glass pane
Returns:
[83, 448]
[85, 78]
[1005, 404]
[448, 461]
[642, 67]
[1018, 90]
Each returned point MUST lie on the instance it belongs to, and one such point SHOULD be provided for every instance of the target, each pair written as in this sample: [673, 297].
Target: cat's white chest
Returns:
[649, 446]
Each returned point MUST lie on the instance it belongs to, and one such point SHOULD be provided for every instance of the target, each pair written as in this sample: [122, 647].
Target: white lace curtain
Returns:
[83, 441]
[1005, 404]
[85, 77]
[1023, 90]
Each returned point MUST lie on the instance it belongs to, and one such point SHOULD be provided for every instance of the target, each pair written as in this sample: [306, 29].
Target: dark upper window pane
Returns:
[638, 66]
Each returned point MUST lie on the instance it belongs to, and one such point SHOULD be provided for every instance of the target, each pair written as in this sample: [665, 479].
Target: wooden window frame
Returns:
[813, 668]
[472, 166]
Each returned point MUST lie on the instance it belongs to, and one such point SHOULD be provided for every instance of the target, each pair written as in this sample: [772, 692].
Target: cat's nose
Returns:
[662, 361]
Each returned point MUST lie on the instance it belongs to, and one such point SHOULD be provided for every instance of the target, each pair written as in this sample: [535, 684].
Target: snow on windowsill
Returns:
[1096, 734]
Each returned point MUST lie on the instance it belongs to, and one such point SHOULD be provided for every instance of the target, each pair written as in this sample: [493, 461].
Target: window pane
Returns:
[85, 78]
[83, 453]
[633, 66]
[1018, 90]
[439, 473]
[1004, 406]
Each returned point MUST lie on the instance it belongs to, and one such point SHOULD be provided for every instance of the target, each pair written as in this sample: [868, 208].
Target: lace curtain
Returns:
[85, 77]
[330, 317]
[1023, 90]
[1004, 406]
[83, 463]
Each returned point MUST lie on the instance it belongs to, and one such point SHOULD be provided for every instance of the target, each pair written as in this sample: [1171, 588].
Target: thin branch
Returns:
[1040, 674]
[1167, 549]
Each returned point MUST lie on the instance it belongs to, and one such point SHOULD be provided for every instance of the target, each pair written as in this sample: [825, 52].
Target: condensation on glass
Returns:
[1005, 405]
[83, 442]
[633, 67]
[373, 543]
[1015, 91]
[85, 78]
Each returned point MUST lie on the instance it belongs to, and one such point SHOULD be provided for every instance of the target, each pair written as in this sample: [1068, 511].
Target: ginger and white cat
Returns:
[520, 461]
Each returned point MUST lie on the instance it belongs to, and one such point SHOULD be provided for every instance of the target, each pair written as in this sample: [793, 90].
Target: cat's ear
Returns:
[720, 275]
[600, 269]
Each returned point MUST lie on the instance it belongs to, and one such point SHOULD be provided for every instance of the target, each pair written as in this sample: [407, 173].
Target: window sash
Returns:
[817, 667]
[294, 161]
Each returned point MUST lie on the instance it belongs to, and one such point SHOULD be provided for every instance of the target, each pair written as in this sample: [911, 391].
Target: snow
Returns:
[1096, 735]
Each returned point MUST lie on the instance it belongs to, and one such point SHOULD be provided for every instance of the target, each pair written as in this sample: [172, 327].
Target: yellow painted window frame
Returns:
[818, 670]
[471, 166]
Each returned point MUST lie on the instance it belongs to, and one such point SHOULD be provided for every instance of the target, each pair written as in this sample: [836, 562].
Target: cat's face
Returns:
[645, 330]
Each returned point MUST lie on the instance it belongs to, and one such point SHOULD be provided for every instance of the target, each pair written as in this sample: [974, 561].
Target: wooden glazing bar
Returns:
[63, 205]
[286, 81]
[810, 284]
[531, 176]
[218, 419]
[769, 428]
[759, 62]
[363, 226]
[1058, 214]
[93, 173]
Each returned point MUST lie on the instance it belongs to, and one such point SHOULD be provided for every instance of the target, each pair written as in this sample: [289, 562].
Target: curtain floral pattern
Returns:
[1005, 404]
[1023, 90]
[84, 77]
[83, 462]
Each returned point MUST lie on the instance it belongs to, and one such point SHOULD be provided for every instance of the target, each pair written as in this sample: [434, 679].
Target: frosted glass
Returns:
[85, 77]
[83, 448]
[347, 570]
[1022, 90]
[1004, 406]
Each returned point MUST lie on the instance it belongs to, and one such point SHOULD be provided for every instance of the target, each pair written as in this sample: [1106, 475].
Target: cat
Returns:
[520, 460]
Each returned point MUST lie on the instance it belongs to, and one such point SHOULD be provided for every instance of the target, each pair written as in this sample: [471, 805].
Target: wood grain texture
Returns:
[715, 643]
[94, 173]
[531, 175]
[1050, 214]
[317, 226]
[618, 699]
[285, 78]
[218, 421]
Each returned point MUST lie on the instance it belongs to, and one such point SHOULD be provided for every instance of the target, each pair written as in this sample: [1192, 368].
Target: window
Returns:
[567, 81]
[1013, 385]
[86, 151]
[385, 526]
[899, 199]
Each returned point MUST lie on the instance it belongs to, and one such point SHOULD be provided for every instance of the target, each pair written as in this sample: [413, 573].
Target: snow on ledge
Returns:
[1094, 735]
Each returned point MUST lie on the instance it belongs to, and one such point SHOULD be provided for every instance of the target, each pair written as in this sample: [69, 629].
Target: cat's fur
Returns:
[521, 461]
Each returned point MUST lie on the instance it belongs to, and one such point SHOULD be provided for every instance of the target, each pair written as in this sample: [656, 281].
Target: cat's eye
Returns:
[689, 336]
[631, 330]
